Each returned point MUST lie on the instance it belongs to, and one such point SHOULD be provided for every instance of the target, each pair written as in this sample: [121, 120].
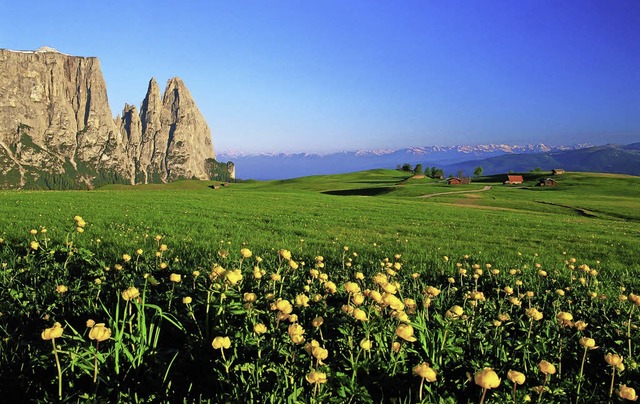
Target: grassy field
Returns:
[361, 224]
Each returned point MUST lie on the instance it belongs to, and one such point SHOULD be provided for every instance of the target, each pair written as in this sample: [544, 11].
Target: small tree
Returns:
[427, 171]
[406, 167]
[478, 171]
[418, 169]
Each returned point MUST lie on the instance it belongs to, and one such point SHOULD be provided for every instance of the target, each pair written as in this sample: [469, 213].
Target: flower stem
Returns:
[95, 364]
[484, 393]
[584, 357]
[55, 353]
[629, 328]
[613, 375]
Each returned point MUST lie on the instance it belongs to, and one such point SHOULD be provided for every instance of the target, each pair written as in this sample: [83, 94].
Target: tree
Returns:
[478, 171]
[437, 172]
[406, 167]
[418, 169]
[427, 171]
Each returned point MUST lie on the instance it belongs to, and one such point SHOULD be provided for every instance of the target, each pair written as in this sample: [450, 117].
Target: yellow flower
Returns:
[61, 289]
[319, 353]
[613, 359]
[627, 393]
[283, 305]
[580, 325]
[516, 377]
[534, 314]
[234, 276]
[358, 299]
[53, 332]
[130, 293]
[330, 287]
[250, 297]
[126, 257]
[293, 265]
[90, 323]
[376, 296]
[296, 332]
[425, 371]
[546, 368]
[316, 377]
[487, 378]
[317, 322]
[352, 287]
[175, 278]
[34, 245]
[405, 331]
[163, 247]
[246, 253]
[221, 343]
[564, 318]
[187, 300]
[454, 312]
[285, 254]
[588, 342]
[432, 292]
[360, 314]
[366, 344]
[139, 251]
[260, 328]
[99, 332]
[308, 347]
[302, 300]
[393, 301]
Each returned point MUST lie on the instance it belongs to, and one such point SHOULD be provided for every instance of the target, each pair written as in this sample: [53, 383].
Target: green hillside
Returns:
[362, 287]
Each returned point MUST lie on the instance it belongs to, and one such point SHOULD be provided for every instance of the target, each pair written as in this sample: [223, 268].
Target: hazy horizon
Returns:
[360, 75]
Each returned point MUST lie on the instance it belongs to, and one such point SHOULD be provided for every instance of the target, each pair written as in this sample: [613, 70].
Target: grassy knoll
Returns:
[327, 245]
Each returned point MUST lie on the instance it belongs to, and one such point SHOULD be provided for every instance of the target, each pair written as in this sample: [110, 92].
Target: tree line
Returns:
[432, 172]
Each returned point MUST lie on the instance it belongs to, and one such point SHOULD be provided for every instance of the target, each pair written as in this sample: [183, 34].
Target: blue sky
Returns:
[322, 76]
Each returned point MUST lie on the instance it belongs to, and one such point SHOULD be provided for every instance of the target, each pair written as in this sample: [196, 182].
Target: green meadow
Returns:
[572, 248]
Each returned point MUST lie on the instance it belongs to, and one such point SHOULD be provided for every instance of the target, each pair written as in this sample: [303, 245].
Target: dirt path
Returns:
[486, 188]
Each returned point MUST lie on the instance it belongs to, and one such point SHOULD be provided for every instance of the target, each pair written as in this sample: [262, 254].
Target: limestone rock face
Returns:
[188, 137]
[170, 139]
[57, 130]
[54, 113]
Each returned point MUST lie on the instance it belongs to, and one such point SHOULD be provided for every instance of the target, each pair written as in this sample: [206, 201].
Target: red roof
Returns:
[515, 178]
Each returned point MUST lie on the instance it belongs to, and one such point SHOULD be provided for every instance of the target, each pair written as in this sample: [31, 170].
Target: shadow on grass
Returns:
[360, 191]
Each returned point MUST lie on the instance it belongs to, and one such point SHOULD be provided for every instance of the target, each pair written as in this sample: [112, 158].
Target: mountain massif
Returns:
[57, 129]
[282, 166]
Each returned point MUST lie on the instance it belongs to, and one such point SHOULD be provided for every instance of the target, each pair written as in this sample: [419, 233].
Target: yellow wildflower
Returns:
[425, 371]
[99, 332]
[486, 378]
[53, 332]
[405, 331]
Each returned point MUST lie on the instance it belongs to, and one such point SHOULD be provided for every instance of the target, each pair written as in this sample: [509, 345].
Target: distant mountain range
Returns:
[605, 159]
[493, 158]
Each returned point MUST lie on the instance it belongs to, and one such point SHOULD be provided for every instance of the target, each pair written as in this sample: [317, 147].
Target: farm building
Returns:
[458, 181]
[547, 182]
[514, 179]
[557, 171]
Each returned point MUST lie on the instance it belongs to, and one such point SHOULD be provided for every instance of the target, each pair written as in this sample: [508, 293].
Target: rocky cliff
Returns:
[57, 130]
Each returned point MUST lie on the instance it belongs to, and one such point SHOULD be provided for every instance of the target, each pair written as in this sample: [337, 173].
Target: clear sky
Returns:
[328, 75]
